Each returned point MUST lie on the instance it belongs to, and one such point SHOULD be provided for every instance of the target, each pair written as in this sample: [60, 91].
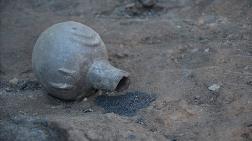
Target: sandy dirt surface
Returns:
[190, 61]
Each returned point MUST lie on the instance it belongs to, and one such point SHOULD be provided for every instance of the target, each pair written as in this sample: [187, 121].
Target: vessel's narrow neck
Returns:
[102, 75]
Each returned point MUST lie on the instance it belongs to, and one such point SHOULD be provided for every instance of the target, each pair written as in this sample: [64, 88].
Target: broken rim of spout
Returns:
[103, 76]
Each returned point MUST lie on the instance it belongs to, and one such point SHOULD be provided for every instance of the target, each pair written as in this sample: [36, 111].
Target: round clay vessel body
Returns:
[70, 60]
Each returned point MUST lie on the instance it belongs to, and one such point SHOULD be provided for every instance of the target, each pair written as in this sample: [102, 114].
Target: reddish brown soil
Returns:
[175, 50]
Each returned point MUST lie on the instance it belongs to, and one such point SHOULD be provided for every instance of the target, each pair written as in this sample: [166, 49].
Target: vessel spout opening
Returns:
[103, 76]
[123, 84]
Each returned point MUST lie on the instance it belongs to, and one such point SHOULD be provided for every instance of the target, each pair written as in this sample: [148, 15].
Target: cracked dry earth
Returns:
[190, 63]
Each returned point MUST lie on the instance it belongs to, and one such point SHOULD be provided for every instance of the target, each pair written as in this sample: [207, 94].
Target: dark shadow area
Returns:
[123, 84]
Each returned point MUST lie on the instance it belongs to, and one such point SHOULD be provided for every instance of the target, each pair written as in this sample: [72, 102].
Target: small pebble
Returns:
[88, 110]
[13, 81]
[178, 26]
[246, 67]
[206, 50]
[140, 121]
[130, 6]
[85, 99]
[214, 87]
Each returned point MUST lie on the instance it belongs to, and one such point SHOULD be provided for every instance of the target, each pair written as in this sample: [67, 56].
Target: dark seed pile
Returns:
[127, 104]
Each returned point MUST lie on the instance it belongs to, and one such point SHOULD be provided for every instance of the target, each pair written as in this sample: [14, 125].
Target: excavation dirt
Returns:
[190, 63]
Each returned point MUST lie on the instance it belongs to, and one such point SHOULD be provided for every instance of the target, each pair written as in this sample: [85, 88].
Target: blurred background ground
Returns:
[195, 56]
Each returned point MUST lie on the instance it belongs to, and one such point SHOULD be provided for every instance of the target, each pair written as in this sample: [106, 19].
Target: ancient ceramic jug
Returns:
[70, 60]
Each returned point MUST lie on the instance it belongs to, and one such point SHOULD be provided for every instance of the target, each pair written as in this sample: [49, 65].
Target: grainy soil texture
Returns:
[190, 63]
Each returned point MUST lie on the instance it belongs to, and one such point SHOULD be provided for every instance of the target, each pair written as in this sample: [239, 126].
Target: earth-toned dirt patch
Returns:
[175, 49]
[23, 129]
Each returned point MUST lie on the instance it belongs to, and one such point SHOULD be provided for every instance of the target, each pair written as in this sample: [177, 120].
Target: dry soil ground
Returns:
[174, 50]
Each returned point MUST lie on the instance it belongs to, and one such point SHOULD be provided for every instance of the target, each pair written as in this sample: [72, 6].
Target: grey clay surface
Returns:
[70, 60]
